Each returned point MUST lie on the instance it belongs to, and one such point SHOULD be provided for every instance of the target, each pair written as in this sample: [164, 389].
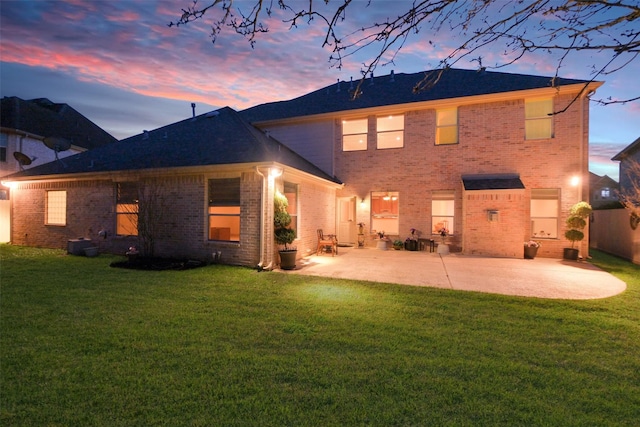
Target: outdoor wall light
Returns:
[362, 203]
[575, 180]
[275, 172]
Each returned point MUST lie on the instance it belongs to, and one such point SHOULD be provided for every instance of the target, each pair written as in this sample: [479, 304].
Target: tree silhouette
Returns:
[606, 29]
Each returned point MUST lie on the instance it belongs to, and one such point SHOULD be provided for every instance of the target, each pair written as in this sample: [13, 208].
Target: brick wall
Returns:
[491, 140]
[183, 230]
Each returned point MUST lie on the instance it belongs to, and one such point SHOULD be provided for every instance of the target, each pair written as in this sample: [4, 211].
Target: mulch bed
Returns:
[158, 264]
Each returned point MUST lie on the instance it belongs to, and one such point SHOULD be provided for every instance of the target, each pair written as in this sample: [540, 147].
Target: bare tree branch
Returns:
[567, 27]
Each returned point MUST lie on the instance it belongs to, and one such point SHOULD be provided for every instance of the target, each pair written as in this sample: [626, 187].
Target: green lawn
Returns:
[84, 344]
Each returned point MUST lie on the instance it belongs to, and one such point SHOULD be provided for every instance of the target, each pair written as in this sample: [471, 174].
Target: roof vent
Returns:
[145, 135]
[338, 86]
[393, 77]
[211, 114]
[193, 109]
[371, 79]
[351, 84]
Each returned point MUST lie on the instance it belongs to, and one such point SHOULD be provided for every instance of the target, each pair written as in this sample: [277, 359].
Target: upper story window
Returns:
[447, 126]
[224, 209]
[56, 208]
[390, 131]
[127, 208]
[538, 118]
[4, 143]
[605, 192]
[354, 135]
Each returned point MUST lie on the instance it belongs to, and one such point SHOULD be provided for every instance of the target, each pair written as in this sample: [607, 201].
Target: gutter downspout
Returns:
[262, 219]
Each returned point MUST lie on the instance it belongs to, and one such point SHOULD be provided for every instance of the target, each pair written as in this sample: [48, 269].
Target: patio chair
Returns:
[327, 242]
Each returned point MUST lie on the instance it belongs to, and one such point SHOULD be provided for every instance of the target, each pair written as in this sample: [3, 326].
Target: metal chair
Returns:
[325, 242]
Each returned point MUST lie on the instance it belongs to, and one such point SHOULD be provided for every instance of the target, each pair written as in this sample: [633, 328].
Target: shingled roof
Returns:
[219, 137]
[396, 89]
[43, 118]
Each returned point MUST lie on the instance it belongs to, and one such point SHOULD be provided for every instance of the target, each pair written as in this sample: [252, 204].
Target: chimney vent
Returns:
[371, 80]
[393, 77]
[193, 109]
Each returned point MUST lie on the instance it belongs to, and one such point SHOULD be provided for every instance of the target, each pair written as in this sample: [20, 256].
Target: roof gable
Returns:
[397, 89]
[628, 150]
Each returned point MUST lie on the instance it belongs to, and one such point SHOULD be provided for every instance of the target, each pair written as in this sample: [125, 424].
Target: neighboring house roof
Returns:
[492, 182]
[219, 137]
[43, 118]
[396, 89]
[628, 150]
[596, 181]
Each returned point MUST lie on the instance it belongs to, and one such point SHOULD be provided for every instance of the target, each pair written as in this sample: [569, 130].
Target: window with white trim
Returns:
[447, 126]
[442, 211]
[385, 214]
[545, 208]
[224, 209]
[538, 122]
[354, 135]
[56, 207]
[390, 131]
[127, 208]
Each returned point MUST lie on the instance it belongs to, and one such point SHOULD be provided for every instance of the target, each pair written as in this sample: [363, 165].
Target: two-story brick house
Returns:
[479, 153]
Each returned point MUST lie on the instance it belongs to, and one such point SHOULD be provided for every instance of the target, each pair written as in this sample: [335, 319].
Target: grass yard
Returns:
[84, 344]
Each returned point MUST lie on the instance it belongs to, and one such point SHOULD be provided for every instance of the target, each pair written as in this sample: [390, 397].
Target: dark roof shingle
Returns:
[220, 137]
[396, 89]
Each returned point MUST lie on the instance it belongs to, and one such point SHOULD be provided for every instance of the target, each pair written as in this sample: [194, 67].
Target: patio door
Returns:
[347, 230]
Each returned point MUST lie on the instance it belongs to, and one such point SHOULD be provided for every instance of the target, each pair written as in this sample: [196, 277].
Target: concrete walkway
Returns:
[540, 277]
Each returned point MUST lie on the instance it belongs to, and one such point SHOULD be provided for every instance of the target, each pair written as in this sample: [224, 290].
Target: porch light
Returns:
[575, 181]
[362, 203]
[275, 171]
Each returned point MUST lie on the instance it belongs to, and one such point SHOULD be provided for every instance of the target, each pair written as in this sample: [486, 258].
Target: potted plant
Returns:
[397, 245]
[382, 242]
[576, 223]
[283, 234]
[411, 244]
[361, 234]
[443, 248]
[531, 249]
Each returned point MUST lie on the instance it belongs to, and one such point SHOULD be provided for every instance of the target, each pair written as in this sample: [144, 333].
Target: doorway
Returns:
[347, 231]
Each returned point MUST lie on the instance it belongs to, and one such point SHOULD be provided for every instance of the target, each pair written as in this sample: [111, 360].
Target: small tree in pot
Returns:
[283, 234]
[576, 223]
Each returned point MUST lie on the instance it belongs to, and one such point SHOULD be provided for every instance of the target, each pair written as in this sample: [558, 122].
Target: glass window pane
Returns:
[127, 224]
[350, 127]
[442, 211]
[385, 212]
[354, 142]
[224, 209]
[56, 207]
[447, 117]
[391, 140]
[389, 123]
[447, 135]
[538, 108]
[544, 212]
[539, 128]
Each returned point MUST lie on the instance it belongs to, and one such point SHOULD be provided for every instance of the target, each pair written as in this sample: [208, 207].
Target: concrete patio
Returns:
[539, 277]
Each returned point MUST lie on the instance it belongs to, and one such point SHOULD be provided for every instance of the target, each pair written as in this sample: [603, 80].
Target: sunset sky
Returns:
[120, 65]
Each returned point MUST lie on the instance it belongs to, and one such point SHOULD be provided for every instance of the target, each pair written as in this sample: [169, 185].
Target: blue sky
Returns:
[120, 65]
